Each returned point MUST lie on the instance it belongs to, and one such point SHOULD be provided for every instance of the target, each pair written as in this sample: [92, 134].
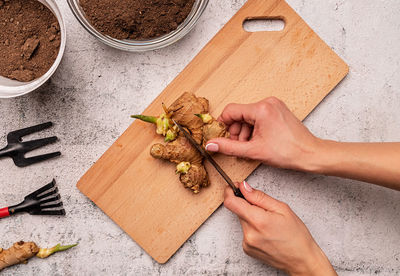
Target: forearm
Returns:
[377, 163]
[316, 263]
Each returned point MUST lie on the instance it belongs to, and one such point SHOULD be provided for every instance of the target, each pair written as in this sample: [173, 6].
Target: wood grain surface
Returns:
[143, 195]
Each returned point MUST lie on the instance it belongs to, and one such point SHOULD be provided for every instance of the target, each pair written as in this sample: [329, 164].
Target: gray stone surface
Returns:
[95, 90]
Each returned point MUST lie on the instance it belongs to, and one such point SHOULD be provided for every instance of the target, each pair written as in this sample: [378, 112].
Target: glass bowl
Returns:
[12, 88]
[141, 45]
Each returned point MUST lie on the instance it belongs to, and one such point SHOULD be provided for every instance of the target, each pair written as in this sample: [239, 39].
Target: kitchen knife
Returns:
[207, 156]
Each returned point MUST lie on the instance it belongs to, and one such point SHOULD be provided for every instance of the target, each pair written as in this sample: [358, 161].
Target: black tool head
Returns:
[16, 136]
[44, 201]
[16, 149]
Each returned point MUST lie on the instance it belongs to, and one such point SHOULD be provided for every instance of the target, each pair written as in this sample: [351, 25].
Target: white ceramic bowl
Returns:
[12, 88]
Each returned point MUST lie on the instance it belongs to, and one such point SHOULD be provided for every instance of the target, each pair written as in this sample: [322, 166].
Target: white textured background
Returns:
[95, 90]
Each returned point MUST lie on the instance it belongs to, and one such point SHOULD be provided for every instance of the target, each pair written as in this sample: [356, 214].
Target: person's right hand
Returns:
[269, 132]
[266, 131]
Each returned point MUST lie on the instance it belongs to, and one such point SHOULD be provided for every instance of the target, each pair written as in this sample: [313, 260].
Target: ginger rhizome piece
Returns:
[21, 252]
[212, 128]
[192, 113]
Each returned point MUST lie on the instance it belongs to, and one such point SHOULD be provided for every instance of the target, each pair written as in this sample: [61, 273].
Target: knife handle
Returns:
[238, 193]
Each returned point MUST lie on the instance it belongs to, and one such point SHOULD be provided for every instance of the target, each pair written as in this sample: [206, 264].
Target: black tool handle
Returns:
[7, 151]
[238, 193]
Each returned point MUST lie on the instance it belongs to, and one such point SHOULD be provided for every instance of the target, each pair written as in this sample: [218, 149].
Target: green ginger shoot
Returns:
[46, 252]
[163, 124]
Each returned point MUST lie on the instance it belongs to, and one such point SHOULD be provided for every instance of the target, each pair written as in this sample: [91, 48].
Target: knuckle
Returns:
[273, 100]
[259, 197]
[264, 108]
[259, 223]
[228, 107]
[284, 206]
[228, 201]
[250, 239]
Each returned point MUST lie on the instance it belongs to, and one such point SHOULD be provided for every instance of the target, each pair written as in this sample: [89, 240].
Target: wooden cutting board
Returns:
[143, 195]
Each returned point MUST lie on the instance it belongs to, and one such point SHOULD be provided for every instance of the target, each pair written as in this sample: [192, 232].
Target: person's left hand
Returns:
[274, 234]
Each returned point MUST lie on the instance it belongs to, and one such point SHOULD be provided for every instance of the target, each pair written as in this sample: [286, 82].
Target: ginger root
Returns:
[178, 150]
[22, 251]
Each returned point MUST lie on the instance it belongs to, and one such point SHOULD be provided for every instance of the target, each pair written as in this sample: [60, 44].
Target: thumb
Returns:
[230, 147]
[260, 199]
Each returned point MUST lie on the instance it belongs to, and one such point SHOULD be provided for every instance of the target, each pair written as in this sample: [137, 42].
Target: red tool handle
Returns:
[4, 212]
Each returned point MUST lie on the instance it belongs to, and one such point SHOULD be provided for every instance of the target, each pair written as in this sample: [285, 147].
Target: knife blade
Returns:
[208, 157]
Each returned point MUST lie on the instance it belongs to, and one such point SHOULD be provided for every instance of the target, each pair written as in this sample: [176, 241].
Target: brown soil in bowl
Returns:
[29, 39]
[136, 19]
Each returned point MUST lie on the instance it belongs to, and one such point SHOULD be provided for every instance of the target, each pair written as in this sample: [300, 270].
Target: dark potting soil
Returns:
[136, 19]
[29, 39]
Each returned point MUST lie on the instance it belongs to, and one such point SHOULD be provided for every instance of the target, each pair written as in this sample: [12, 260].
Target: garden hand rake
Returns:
[45, 201]
[16, 149]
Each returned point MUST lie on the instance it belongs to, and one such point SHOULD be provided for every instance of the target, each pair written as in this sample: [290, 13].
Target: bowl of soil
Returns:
[32, 42]
[138, 25]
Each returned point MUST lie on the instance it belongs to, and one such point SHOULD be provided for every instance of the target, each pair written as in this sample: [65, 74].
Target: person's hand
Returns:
[274, 234]
[269, 132]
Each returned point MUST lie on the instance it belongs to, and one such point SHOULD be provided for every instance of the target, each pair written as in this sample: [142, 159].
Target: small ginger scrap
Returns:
[192, 113]
[22, 251]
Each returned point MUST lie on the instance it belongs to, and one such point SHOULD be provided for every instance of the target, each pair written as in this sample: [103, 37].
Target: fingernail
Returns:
[247, 187]
[212, 147]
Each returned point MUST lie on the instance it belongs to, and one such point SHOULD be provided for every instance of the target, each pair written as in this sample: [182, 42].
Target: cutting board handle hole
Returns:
[263, 25]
